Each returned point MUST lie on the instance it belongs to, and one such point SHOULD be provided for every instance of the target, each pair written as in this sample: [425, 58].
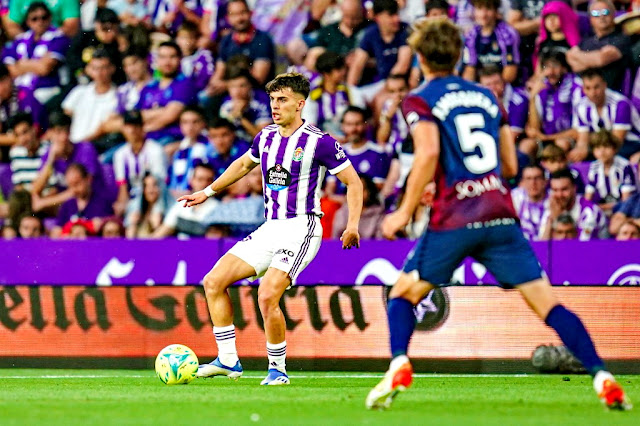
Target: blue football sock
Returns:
[402, 322]
[575, 337]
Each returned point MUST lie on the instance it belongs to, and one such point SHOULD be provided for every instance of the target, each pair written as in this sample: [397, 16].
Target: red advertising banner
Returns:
[322, 322]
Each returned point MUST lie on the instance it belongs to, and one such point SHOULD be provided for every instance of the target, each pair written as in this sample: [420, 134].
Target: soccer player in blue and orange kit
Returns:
[463, 143]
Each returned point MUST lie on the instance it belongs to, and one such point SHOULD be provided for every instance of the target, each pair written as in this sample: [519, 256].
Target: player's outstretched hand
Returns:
[350, 238]
[394, 222]
[194, 199]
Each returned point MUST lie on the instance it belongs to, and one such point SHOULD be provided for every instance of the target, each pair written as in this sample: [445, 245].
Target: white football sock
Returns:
[226, 340]
[599, 378]
[398, 361]
[277, 353]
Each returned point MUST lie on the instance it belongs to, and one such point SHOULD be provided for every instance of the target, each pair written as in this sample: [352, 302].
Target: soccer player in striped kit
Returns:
[294, 157]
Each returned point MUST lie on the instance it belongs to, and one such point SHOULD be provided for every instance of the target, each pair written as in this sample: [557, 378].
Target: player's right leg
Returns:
[228, 270]
[539, 296]
[405, 294]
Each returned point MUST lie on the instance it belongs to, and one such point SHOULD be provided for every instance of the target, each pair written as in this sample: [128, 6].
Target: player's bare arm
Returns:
[237, 170]
[426, 140]
[508, 157]
[350, 237]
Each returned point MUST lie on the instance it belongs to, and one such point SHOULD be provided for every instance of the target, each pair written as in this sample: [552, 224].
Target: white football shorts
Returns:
[285, 244]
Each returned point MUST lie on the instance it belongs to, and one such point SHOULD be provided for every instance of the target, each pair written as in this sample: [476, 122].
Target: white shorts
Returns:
[285, 244]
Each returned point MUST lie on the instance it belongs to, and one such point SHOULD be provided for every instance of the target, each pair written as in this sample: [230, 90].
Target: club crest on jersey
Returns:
[278, 178]
[340, 152]
[298, 154]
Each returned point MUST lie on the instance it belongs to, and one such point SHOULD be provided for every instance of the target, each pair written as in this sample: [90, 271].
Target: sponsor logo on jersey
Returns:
[476, 187]
[278, 178]
[298, 154]
[340, 152]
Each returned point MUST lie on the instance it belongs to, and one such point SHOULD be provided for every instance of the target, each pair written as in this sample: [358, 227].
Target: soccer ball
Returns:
[176, 365]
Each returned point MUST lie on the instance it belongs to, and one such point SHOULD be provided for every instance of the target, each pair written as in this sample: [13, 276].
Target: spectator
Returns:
[514, 100]
[146, 211]
[29, 227]
[130, 12]
[244, 39]
[162, 100]
[608, 49]
[13, 102]
[196, 64]
[552, 103]
[490, 42]
[367, 157]
[386, 42]
[591, 222]
[371, 217]
[627, 210]
[224, 146]
[76, 229]
[104, 38]
[84, 203]
[65, 15]
[132, 161]
[89, 105]
[50, 188]
[327, 103]
[628, 231]
[553, 158]
[529, 200]
[603, 108]
[392, 127]
[111, 228]
[192, 221]
[167, 16]
[564, 228]
[246, 106]
[26, 155]
[339, 38]
[558, 29]
[35, 58]
[611, 177]
[191, 151]
[136, 67]
[282, 19]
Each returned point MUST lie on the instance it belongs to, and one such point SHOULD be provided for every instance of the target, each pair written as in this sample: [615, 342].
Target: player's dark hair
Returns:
[603, 137]
[553, 55]
[173, 45]
[80, 168]
[194, 109]
[489, 70]
[389, 6]
[297, 82]
[37, 5]
[563, 174]
[486, 4]
[436, 4]
[329, 61]
[438, 41]
[19, 118]
[219, 122]
[356, 110]
[590, 73]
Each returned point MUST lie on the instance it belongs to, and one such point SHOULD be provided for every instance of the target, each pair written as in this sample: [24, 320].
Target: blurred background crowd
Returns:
[111, 109]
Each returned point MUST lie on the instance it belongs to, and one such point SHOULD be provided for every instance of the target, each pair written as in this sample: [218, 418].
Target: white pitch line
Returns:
[294, 376]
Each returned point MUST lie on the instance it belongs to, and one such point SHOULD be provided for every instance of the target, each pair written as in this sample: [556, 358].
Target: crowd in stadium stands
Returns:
[111, 109]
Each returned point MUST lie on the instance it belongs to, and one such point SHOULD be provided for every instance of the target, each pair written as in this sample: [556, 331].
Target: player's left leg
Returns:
[271, 289]
[539, 296]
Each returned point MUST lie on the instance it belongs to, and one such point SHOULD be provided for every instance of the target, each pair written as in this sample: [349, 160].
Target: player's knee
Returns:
[268, 300]
[214, 284]
[410, 288]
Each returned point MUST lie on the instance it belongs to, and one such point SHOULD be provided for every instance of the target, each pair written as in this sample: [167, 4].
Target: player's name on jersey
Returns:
[464, 98]
[476, 187]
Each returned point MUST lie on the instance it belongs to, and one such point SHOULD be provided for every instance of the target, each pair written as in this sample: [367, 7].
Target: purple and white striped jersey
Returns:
[128, 95]
[591, 222]
[516, 101]
[199, 67]
[609, 187]
[294, 167]
[530, 213]
[617, 114]
[399, 126]
[555, 104]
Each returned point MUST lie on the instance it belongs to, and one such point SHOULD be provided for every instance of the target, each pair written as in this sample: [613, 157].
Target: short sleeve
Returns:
[58, 48]
[254, 150]
[416, 109]
[73, 98]
[628, 185]
[330, 154]
[366, 43]
[623, 116]
[518, 115]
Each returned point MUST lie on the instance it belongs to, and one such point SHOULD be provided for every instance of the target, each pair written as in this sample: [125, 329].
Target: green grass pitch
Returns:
[102, 397]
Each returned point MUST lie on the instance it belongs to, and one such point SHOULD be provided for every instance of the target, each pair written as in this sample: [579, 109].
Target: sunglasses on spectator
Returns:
[602, 12]
[39, 18]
